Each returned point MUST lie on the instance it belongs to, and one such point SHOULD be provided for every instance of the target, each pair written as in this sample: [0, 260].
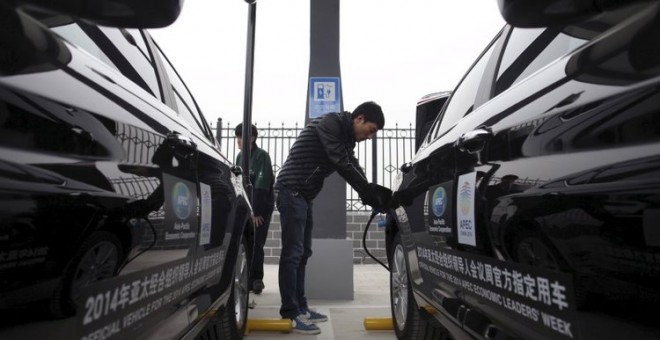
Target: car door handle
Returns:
[237, 170]
[183, 146]
[475, 140]
[406, 167]
[178, 139]
[552, 195]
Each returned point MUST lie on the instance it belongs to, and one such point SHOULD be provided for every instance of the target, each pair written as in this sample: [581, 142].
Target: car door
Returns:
[429, 185]
[223, 217]
[174, 203]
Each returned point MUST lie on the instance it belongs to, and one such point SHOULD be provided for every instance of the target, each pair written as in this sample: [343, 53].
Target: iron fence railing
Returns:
[380, 158]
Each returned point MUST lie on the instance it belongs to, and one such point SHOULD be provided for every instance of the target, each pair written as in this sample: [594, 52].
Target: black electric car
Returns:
[119, 216]
[531, 209]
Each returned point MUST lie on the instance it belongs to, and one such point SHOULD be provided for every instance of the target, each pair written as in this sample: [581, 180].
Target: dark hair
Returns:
[371, 112]
[238, 131]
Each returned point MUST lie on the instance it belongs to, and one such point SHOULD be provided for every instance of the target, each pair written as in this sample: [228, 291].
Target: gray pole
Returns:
[324, 64]
[330, 269]
[247, 104]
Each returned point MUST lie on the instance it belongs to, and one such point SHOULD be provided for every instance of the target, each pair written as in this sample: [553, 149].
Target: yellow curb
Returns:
[273, 325]
[378, 324]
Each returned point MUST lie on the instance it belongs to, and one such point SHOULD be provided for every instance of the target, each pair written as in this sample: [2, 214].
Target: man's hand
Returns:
[377, 196]
[401, 198]
[258, 220]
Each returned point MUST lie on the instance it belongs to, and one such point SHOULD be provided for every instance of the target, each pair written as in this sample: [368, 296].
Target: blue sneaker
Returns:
[300, 324]
[314, 317]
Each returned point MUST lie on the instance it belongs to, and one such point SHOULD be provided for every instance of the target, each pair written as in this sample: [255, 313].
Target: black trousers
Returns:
[260, 236]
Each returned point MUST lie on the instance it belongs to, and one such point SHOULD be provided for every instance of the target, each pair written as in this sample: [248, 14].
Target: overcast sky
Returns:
[391, 51]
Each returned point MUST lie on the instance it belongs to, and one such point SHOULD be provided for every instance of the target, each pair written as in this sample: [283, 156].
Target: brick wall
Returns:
[356, 222]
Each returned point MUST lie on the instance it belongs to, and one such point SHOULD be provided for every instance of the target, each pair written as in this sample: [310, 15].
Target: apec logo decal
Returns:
[181, 200]
[465, 198]
[438, 210]
[465, 209]
[439, 203]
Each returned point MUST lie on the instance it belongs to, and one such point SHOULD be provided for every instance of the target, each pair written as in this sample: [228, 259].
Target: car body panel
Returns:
[92, 160]
[552, 177]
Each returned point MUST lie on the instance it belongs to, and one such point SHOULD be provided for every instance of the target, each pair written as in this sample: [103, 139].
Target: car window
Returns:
[641, 171]
[528, 50]
[75, 35]
[185, 103]
[132, 46]
[23, 125]
[125, 51]
[461, 102]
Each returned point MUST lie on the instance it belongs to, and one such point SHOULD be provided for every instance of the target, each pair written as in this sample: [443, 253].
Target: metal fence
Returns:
[380, 158]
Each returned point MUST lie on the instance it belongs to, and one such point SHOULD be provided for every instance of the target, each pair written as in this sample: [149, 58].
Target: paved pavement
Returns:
[371, 299]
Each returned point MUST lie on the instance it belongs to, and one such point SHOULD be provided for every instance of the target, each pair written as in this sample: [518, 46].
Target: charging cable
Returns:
[364, 239]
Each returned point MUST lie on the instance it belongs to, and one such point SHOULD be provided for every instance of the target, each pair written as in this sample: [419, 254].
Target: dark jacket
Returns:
[261, 177]
[324, 146]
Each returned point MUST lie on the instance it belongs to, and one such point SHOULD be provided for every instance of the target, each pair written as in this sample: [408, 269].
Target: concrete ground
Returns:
[371, 299]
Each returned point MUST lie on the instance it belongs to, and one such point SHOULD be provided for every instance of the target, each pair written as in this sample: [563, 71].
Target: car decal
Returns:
[438, 210]
[206, 212]
[465, 209]
[180, 208]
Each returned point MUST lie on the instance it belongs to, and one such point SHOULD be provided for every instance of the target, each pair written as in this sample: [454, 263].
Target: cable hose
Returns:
[364, 241]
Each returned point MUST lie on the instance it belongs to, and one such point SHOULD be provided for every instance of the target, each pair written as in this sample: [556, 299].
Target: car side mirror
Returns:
[543, 13]
[115, 13]
[26, 47]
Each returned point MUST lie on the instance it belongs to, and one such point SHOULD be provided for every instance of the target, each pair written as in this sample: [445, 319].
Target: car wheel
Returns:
[408, 323]
[98, 258]
[233, 316]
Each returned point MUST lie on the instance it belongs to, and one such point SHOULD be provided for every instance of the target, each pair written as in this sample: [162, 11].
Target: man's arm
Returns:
[330, 132]
[331, 135]
[263, 171]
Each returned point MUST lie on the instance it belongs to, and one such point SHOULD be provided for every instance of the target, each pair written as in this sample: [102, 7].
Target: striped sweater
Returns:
[324, 146]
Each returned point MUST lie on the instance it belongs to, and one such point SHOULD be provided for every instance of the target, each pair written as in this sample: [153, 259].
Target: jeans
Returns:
[261, 234]
[296, 221]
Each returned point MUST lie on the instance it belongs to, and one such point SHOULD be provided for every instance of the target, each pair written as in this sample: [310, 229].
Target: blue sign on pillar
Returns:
[324, 96]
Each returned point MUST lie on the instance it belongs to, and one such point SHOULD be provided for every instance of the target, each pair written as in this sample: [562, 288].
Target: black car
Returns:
[531, 208]
[119, 216]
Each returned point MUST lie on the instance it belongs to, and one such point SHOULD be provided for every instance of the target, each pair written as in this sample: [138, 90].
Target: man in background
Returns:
[261, 177]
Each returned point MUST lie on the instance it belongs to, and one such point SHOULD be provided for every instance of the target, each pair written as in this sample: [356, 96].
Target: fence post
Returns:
[218, 133]
[374, 159]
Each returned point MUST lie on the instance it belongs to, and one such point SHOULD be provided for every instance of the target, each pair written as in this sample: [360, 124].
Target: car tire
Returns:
[233, 316]
[406, 317]
[98, 258]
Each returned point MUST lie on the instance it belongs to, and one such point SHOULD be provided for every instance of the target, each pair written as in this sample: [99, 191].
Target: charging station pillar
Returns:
[330, 269]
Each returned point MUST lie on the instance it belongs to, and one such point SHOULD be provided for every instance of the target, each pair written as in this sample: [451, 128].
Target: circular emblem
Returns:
[439, 203]
[181, 201]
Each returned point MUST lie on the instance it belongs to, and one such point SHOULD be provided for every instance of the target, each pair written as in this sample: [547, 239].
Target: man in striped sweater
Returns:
[324, 146]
